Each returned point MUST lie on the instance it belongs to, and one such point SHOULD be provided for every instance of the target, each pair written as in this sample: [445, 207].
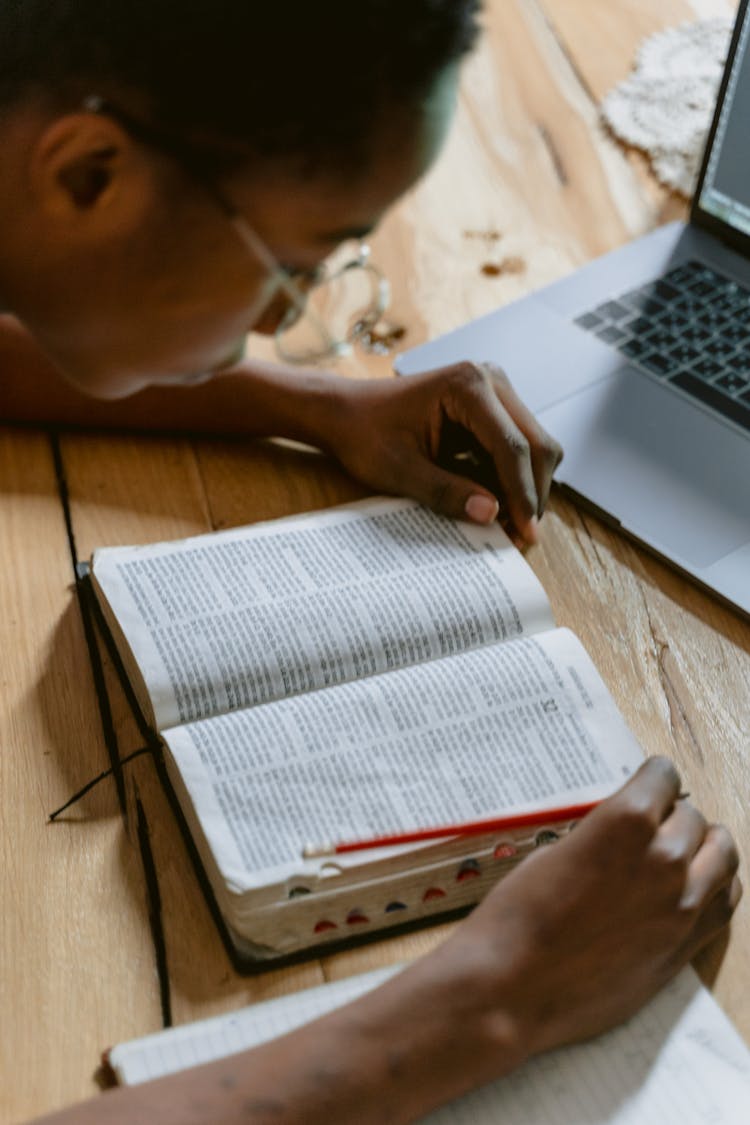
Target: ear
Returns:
[78, 165]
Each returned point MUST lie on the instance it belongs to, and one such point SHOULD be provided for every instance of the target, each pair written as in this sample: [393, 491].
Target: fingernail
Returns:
[533, 534]
[481, 509]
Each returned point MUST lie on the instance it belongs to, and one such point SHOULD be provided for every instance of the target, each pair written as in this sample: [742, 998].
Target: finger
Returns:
[718, 912]
[643, 803]
[714, 867]
[681, 834]
[713, 919]
[546, 452]
[474, 404]
[736, 891]
[447, 493]
[655, 785]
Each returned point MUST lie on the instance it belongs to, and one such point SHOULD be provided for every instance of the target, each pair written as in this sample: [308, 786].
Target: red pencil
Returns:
[537, 819]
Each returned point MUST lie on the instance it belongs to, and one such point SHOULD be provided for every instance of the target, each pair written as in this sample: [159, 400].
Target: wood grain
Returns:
[132, 490]
[76, 963]
[602, 44]
[528, 177]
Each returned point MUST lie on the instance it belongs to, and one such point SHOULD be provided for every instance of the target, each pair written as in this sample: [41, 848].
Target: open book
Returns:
[348, 674]
[678, 1062]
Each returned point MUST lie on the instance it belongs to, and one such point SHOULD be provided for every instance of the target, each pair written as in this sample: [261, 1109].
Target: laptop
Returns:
[639, 364]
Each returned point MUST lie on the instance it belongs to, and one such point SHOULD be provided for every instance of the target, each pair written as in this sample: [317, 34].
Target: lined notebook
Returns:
[678, 1062]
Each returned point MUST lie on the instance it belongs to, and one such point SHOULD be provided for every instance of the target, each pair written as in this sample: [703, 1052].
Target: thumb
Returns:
[449, 494]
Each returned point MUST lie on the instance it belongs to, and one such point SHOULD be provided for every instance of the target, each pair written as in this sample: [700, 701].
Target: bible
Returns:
[354, 673]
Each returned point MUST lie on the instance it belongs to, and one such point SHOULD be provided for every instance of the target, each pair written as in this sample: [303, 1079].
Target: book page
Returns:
[231, 620]
[678, 1062]
[523, 725]
[166, 1052]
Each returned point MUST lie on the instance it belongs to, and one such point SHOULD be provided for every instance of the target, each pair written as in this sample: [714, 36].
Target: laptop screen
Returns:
[725, 189]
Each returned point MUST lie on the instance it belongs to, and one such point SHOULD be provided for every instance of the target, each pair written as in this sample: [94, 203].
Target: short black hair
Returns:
[296, 80]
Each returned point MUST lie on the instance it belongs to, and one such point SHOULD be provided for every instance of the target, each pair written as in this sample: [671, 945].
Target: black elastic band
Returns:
[85, 598]
[95, 781]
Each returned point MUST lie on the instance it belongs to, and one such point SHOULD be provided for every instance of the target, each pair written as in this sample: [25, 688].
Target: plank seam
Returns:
[558, 165]
[109, 732]
[590, 541]
[64, 494]
[575, 69]
[678, 716]
[153, 895]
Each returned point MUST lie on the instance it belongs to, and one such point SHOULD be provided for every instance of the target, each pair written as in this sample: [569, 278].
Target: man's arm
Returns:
[261, 400]
[385, 432]
[571, 943]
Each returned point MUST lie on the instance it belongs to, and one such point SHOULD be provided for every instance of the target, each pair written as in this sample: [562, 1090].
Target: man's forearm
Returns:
[257, 399]
[386, 433]
[566, 946]
[390, 1057]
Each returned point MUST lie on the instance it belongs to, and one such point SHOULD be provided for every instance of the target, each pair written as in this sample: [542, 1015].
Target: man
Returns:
[147, 199]
[160, 162]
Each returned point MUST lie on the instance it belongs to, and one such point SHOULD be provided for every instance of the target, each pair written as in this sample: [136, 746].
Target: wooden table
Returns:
[528, 179]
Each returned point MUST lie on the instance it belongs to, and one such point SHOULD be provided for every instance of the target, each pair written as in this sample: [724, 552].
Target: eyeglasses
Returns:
[349, 294]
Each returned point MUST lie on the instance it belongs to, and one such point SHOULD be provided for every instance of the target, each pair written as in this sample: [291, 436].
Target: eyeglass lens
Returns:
[347, 302]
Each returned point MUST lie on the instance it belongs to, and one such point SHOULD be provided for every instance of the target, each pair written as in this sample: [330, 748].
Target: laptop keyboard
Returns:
[690, 328]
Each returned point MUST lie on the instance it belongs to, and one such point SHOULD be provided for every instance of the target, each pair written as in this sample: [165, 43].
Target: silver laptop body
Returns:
[639, 364]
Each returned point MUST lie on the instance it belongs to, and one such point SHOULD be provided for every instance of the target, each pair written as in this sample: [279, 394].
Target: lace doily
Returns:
[666, 105]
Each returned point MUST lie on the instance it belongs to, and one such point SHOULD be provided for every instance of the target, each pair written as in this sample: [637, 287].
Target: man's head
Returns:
[311, 117]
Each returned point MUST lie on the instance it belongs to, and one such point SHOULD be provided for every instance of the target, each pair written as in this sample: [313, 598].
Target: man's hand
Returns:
[569, 944]
[583, 933]
[390, 434]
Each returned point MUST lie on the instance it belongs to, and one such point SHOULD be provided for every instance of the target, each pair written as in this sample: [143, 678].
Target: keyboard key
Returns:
[641, 302]
[589, 321]
[659, 364]
[701, 270]
[737, 333]
[733, 408]
[673, 321]
[639, 325]
[688, 306]
[733, 303]
[665, 292]
[732, 383]
[707, 285]
[612, 310]
[635, 347]
[609, 334]
[707, 368]
[726, 291]
[720, 349]
[685, 354]
[682, 273]
[662, 340]
[714, 322]
[695, 333]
